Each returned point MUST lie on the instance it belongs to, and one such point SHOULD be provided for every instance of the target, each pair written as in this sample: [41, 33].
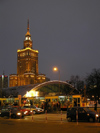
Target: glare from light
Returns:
[55, 69]
[18, 113]
[97, 115]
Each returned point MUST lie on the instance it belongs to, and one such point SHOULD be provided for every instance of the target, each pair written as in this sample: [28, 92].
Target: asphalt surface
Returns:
[46, 123]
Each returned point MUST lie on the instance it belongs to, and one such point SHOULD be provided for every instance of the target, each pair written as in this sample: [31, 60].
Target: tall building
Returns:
[3, 81]
[27, 65]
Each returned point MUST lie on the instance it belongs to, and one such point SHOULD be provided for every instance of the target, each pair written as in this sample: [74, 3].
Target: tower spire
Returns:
[28, 33]
[28, 25]
[28, 41]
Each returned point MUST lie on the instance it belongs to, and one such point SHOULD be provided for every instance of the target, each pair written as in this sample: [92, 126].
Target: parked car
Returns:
[13, 112]
[5, 112]
[16, 113]
[38, 110]
[26, 111]
[83, 114]
[34, 109]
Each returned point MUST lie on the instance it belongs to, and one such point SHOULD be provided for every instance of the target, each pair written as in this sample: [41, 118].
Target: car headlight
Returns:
[18, 113]
[25, 112]
[31, 111]
[97, 115]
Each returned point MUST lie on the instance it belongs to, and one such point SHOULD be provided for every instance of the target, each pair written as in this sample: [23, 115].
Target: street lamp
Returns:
[2, 85]
[56, 69]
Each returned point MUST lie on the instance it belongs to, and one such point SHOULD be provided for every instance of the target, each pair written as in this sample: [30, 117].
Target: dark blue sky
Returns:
[66, 33]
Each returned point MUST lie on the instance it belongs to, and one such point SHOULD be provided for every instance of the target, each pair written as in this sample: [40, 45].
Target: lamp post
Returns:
[56, 69]
[2, 85]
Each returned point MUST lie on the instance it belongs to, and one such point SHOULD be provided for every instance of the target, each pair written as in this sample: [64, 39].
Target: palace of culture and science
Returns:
[27, 65]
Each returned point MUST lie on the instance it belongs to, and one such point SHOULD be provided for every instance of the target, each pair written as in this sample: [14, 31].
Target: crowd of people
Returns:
[51, 106]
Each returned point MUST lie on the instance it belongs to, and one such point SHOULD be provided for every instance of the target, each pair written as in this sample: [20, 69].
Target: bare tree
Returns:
[77, 83]
[93, 84]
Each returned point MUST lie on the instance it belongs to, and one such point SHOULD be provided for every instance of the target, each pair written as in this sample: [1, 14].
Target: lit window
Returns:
[26, 38]
[32, 75]
[23, 54]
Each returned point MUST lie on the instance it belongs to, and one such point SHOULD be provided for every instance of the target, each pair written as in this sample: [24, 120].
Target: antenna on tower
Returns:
[28, 25]
[3, 72]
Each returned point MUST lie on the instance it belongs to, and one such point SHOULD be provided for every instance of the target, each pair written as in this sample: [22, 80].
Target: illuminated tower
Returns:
[27, 58]
[27, 64]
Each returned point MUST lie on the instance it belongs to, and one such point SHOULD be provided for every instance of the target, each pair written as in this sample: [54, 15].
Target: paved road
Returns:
[50, 123]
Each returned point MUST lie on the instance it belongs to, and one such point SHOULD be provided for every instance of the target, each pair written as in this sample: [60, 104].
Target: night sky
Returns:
[66, 33]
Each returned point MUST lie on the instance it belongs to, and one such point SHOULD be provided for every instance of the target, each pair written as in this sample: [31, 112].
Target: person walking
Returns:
[95, 106]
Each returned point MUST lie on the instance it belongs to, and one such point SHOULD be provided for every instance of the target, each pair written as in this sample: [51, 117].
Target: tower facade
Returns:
[27, 64]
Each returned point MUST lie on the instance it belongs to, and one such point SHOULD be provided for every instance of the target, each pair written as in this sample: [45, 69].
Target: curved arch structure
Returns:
[52, 82]
[38, 86]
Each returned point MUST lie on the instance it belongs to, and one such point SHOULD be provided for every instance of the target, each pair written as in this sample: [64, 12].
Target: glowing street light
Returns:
[56, 69]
